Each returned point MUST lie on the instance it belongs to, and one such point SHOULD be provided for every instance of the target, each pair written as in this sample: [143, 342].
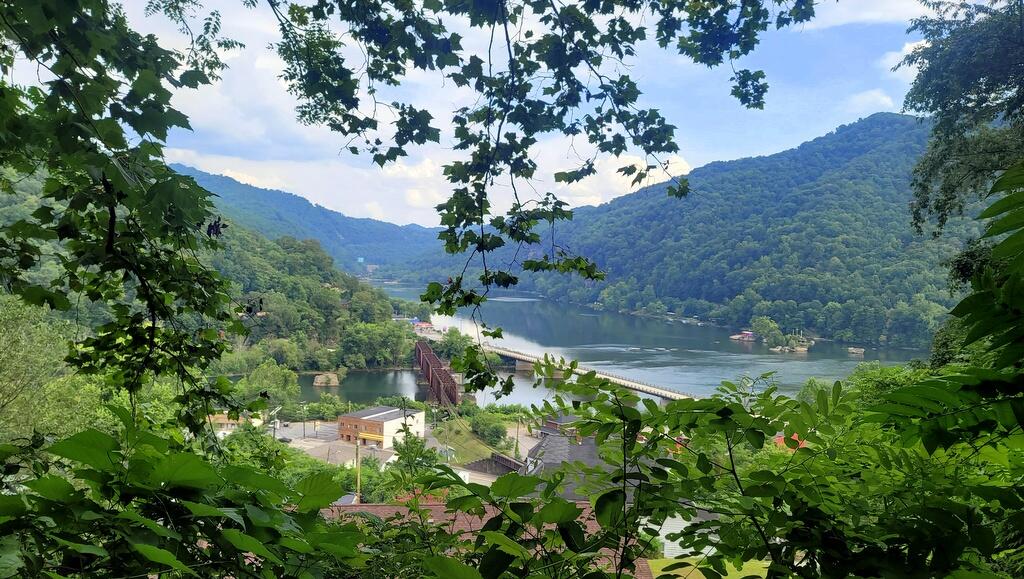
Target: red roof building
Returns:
[459, 523]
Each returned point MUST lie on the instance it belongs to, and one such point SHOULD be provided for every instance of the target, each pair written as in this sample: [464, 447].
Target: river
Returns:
[684, 357]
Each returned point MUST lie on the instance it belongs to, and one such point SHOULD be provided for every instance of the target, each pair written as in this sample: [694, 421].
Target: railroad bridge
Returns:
[440, 382]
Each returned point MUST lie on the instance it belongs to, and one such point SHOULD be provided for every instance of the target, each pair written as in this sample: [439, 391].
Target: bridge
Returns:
[442, 385]
[629, 383]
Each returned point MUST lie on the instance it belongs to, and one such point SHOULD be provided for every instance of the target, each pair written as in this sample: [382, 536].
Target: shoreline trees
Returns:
[914, 485]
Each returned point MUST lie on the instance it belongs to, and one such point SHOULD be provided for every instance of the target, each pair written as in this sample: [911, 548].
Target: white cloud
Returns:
[408, 191]
[266, 182]
[350, 185]
[245, 127]
[840, 12]
[870, 101]
[890, 59]
[421, 198]
[374, 210]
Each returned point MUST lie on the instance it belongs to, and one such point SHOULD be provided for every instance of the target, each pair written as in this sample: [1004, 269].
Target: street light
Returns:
[273, 421]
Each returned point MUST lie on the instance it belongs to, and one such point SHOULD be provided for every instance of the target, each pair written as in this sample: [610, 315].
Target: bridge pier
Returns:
[524, 366]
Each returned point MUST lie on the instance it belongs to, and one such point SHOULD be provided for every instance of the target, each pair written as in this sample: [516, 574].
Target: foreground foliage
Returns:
[925, 482]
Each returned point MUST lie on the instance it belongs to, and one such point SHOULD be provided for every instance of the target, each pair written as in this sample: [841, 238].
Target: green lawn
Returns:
[759, 568]
[466, 444]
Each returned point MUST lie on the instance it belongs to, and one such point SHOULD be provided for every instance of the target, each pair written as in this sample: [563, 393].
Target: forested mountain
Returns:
[277, 213]
[303, 311]
[307, 314]
[817, 237]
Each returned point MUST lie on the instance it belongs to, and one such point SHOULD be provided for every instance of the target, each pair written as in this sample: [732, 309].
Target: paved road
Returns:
[526, 440]
[315, 429]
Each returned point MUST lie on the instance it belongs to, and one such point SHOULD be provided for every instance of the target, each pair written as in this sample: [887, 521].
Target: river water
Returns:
[685, 357]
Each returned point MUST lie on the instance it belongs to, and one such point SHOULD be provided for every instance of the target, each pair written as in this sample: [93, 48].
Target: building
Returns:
[464, 525]
[224, 425]
[380, 426]
[555, 451]
[558, 424]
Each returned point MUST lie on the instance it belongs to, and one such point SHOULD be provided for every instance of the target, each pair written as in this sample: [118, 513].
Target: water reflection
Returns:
[365, 387]
[685, 357]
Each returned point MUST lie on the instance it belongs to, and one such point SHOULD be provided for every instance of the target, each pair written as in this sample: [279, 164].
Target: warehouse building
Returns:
[380, 426]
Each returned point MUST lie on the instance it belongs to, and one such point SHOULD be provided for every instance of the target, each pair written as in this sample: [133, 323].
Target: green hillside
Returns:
[346, 239]
[304, 312]
[817, 237]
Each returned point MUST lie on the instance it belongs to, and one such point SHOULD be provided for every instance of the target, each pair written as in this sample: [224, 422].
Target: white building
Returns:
[380, 426]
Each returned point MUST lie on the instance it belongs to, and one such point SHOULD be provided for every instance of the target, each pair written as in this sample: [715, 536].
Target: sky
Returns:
[823, 74]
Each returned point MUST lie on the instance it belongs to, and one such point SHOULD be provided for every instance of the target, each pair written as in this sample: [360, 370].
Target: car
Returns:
[284, 439]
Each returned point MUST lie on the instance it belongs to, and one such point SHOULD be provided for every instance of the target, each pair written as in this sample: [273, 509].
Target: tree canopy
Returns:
[969, 81]
[870, 479]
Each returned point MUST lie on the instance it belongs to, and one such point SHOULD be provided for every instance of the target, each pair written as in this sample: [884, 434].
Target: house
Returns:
[224, 425]
[380, 425]
[558, 424]
[554, 451]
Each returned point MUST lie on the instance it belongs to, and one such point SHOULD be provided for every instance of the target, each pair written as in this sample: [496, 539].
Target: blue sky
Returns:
[824, 74]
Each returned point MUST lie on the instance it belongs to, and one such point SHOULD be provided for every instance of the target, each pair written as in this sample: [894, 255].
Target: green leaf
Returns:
[296, 545]
[39, 296]
[677, 566]
[703, 464]
[608, 509]
[204, 510]
[248, 544]
[184, 470]
[445, 568]
[83, 548]
[514, 485]
[150, 524]
[317, 490]
[558, 510]
[755, 438]
[7, 451]
[162, 557]
[10, 556]
[1012, 178]
[1007, 203]
[51, 487]
[505, 544]
[90, 447]
[251, 479]
[12, 505]
[762, 490]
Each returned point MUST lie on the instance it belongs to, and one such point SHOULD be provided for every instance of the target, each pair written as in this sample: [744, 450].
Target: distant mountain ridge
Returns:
[817, 237]
[276, 214]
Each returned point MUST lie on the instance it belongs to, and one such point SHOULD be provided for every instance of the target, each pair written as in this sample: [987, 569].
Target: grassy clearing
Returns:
[468, 447]
[758, 568]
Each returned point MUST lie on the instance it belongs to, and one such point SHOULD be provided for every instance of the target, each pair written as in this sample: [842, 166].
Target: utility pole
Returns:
[517, 435]
[359, 467]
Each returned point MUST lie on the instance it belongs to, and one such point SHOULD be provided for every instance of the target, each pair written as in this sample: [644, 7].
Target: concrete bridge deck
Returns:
[636, 385]
[631, 384]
